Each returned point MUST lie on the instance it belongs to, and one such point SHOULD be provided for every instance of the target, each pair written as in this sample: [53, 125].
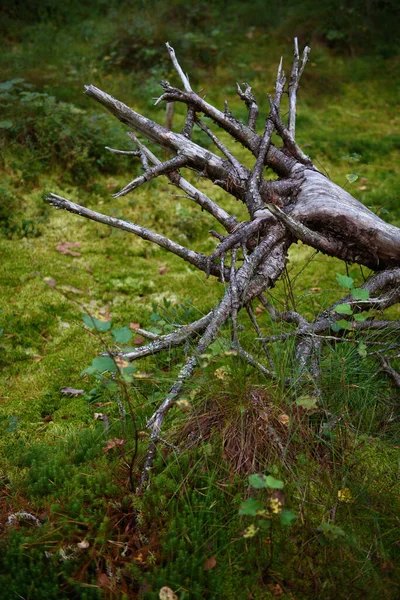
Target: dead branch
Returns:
[296, 203]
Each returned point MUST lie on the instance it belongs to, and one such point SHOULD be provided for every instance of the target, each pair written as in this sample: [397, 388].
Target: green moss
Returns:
[52, 450]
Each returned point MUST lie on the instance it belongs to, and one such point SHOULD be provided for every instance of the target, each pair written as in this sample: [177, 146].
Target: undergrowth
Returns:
[68, 467]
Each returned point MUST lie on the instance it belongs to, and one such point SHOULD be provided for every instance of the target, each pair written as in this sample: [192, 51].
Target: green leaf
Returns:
[344, 281]
[360, 294]
[362, 349]
[343, 309]
[351, 177]
[104, 363]
[7, 124]
[208, 451]
[121, 335]
[287, 517]
[250, 507]
[94, 323]
[275, 484]
[258, 481]
[307, 402]
[156, 330]
[88, 371]
[342, 324]
[360, 318]
[101, 364]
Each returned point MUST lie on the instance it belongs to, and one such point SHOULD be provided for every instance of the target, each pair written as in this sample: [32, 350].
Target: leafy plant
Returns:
[266, 508]
[45, 133]
[359, 295]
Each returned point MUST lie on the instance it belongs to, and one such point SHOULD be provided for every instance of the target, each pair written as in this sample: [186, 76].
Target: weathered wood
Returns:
[302, 204]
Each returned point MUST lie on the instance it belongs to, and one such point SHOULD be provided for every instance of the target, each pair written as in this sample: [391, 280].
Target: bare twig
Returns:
[242, 174]
[126, 152]
[219, 317]
[252, 361]
[235, 304]
[294, 84]
[287, 137]
[187, 129]
[259, 334]
[184, 78]
[253, 196]
[248, 97]
[169, 114]
[161, 169]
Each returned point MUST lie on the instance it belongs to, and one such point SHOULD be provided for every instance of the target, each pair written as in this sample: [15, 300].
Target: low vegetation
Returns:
[294, 500]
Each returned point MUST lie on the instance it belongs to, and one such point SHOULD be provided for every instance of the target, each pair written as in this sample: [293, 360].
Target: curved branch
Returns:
[194, 258]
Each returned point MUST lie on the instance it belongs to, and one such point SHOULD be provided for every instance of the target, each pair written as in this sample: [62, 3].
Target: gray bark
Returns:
[302, 204]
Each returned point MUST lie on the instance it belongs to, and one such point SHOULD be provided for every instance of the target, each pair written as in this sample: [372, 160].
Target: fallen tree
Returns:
[300, 204]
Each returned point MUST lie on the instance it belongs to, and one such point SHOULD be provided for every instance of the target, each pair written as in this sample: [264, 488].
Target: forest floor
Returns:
[70, 525]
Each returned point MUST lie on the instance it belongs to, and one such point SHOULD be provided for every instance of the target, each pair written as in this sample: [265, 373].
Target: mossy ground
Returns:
[53, 461]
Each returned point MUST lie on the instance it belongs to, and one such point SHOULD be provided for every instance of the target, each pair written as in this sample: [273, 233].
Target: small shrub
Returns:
[45, 133]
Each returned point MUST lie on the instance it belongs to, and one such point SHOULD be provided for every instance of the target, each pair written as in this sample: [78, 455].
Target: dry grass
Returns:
[254, 434]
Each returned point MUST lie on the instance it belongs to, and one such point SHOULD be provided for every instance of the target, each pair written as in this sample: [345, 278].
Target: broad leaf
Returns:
[307, 402]
[258, 481]
[7, 124]
[110, 444]
[331, 531]
[360, 294]
[344, 281]
[121, 335]
[342, 324]
[250, 507]
[362, 349]
[351, 177]
[65, 248]
[100, 365]
[287, 517]
[275, 484]
[360, 318]
[343, 309]
[210, 563]
[94, 323]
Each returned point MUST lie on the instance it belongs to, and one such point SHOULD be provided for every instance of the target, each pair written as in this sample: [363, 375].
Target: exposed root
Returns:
[388, 369]
[220, 316]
